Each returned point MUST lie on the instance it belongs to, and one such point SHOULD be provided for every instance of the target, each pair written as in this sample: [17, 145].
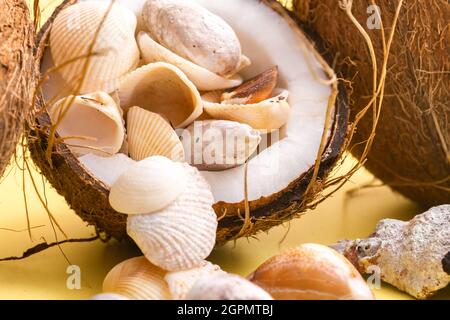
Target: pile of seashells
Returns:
[145, 86]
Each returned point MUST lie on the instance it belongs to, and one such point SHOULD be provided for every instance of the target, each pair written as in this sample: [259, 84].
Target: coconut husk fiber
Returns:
[16, 76]
[411, 150]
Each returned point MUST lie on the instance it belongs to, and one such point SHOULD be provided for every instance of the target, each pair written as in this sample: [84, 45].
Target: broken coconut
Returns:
[277, 178]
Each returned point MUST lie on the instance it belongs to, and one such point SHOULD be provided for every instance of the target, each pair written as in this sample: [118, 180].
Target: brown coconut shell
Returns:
[411, 151]
[88, 197]
[16, 72]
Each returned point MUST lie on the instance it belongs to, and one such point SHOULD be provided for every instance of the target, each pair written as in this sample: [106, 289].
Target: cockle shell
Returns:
[109, 296]
[89, 61]
[106, 169]
[311, 272]
[182, 235]
[269, 114]
[203, 79]
[194, 33]
[181, 282]
[148, 186]
[219, 144]
[150, 135]
[164, 89]
[225, 286]
[89, 123]
[137, 279]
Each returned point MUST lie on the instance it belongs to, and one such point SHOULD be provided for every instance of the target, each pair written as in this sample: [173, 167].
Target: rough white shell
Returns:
[182, 235]
[269, 114]
[203, 79]
[106, 169]
[151, 135]
[225, 286]
[164, 89]
[194, 33]
[137, 279]
[148, 186]
[89, 123]
[181, 282]
[104, 59]
[109, 296]
[219, 144]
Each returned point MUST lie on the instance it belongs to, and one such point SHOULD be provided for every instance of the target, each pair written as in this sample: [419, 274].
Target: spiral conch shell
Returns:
[89, 61]
[182, 235]
[151, 135]
[148, 186]
[164, 89]
[137, 279]
[89, 123]
[225, 286]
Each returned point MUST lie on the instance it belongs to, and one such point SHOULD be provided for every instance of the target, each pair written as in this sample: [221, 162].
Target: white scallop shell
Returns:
[137, 279]
[148, 186]
[150, 135]
[203, 79]
[269, 114]
[225, 286]
[108, 296]
[219, 144]
[104, 57]
[164, 89]
[182, 235]
[194, 33]
[181, 282]
[89, 123]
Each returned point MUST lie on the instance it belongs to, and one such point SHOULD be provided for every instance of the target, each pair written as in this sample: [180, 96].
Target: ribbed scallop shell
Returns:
[114, 51]
[269, 114]
[149, 134]
[181, 282]
[182, 235]
[164, 89]
[203, 79]
[137, 279]
[108, 296]
[89, 123]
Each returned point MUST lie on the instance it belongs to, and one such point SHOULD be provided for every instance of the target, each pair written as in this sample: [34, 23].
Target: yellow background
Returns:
[43, 276]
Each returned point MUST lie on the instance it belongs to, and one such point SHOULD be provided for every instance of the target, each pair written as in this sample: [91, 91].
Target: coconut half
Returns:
[278, 176]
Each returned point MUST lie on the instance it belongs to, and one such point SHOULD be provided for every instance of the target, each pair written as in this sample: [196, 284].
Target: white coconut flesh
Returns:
[268, 39]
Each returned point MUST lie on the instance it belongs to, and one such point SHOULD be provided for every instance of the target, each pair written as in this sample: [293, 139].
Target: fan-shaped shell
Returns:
[181, 282]
[109, 296]
[137, 279]
[203, 79]
[182, 235]
[194, 33]
[164, 89]
[151, 135]
[148, 186]
[91, 61]
[89, 123]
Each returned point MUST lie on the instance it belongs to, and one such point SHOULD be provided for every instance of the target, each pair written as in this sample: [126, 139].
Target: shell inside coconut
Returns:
[279, 175]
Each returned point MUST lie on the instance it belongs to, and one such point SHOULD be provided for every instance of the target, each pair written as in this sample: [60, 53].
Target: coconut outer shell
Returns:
[88, 197]
[411, 151]
[16, 74]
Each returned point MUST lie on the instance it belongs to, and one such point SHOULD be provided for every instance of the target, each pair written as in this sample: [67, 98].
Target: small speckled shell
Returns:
[182, 235]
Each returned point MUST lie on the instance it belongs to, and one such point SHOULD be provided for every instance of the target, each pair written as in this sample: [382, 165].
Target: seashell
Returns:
[109, 169]
[164, 89]
[268, 114]
[150, 135]
[254, 90]
[203, 79]
[148, 186]
[89, 123]
[181, 282]
[137, 279]
[213, 145]
[108, 296]
[225, 286]
[182, 235]
[194, 33]
[104, 59]
[311, 272]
